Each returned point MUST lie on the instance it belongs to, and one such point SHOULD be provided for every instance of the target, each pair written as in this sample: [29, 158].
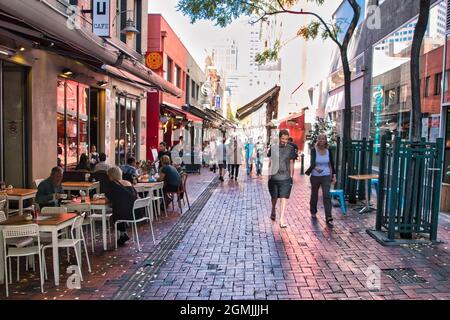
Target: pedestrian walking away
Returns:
[235, 157]
[323, 174]
[281, 171]
[250, 155]
[259, 156]
[221, 155]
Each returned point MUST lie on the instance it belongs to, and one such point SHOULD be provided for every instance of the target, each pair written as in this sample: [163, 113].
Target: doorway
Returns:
[13, 124]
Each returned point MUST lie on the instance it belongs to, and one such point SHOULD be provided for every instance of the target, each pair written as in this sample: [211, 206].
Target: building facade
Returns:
[64, 88]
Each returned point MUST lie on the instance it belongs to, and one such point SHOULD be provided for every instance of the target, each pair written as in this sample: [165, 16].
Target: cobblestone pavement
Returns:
[227, 247]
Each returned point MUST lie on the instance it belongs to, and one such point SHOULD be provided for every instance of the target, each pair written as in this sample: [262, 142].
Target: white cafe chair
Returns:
[17, 232]
[145, 203]
[18, 243]
[72, 242]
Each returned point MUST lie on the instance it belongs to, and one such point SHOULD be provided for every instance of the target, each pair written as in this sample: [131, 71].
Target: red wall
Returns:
[171, 46]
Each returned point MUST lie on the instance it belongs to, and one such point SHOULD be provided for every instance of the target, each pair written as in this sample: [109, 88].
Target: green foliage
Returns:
[270, 54]
[322, 126]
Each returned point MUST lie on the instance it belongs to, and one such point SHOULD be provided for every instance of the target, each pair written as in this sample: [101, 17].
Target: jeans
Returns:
[235, 170]
[325, 183]
[259, 165]
[249, 166]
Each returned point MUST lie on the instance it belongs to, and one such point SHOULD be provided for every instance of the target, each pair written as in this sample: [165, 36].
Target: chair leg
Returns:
[115, 233]
[92, 225]
[26, 263]
[41, 273]
[343, 206]
[78, 262]
[87, 256]
[45, 264]
[34, 264]
[187, 199]
[137, 237]
[153, 235]
[6, 275]
[18, 269]
[108, 223]
[10, 273]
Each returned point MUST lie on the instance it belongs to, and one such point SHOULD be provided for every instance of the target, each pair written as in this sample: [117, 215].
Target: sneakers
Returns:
[221, 179]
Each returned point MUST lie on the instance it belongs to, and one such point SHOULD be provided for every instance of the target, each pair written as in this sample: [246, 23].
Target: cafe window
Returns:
[437, 83]
[427, 87]
[72, 122]
[127, 111]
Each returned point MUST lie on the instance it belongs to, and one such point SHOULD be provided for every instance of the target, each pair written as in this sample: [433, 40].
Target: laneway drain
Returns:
[137, 283]
[404, 276]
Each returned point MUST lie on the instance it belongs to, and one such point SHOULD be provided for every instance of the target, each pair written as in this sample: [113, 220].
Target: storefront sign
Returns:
[434, 127]
[378, 95]
[218, 102]
[101, 18]
[154, 60]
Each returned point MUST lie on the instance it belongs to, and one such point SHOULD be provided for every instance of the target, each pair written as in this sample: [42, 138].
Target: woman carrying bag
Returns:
[323, 174]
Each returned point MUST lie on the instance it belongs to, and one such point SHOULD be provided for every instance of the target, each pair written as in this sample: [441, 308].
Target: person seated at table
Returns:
[102, 165]
[171, 178]
[164, 151]
[129, 170]
[49, 189]
[122, 196]
[83, 165]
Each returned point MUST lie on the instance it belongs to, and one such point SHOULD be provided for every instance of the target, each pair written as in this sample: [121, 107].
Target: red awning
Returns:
[179, 112]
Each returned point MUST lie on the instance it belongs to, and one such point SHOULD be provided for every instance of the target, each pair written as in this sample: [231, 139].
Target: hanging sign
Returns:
[154, 60]
[101, 18]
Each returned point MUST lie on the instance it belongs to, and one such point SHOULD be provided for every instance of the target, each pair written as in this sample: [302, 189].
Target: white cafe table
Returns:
[46, 223]
[19, 195]
[81, 185]
[100, 205]
[150, 187]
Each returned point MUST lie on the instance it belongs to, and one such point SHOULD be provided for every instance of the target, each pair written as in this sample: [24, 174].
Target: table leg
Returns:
[21, 206]
[55, 256]
[104, 231]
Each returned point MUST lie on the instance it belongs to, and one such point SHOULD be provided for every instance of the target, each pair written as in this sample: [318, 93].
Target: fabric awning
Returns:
[180, 113]
[257, 103]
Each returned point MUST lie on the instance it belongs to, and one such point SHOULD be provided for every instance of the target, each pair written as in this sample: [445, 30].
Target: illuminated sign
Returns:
[154, 60]
[378, 95]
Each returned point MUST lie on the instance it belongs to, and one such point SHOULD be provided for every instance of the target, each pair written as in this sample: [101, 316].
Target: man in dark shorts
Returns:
[281, 171]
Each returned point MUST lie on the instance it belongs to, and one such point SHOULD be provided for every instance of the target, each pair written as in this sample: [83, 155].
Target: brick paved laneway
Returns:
[234, 251]
[227, 247]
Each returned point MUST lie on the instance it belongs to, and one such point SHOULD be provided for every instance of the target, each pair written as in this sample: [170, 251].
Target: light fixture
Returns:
[7, 51]
[130, 29]
[102, 83]
[67, 72]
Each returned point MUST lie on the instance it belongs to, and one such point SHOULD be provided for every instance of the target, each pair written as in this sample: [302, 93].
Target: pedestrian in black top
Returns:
[281, 171]
[122, 196]
[323, 174]
[163, 151]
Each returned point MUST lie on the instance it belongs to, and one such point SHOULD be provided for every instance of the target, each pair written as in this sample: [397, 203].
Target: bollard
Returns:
[302, 169]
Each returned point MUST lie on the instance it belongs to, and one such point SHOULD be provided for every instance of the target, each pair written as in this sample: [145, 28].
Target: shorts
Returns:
[280, 188]
[223, 165]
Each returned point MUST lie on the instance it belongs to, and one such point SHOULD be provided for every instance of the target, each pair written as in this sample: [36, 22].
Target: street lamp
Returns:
[130, 26]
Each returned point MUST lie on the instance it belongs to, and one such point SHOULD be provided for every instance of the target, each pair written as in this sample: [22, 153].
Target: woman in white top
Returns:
[323, 174]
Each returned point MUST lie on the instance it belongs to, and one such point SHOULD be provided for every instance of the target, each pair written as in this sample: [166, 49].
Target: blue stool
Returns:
[339, 193]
